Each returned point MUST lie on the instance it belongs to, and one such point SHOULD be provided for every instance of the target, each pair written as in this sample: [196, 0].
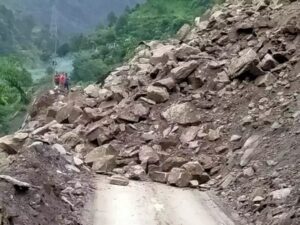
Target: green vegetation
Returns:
[110, 46]
[21, 35]
[22, 42]
[15, 82]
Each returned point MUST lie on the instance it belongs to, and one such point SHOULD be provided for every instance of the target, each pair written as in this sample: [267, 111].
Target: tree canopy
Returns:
[110, 46]
[14, 84]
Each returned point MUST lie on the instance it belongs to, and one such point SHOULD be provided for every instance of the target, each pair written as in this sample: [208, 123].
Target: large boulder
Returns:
[182, 113]
[158, 94]
[92, 91]
[158, 176]
[128, 116]
[268, 62]
[105, 164]
[171, 162]
[291, 24]
[93, 131]
[136, 172]
[189, 134]
[201, 25]
[63, 114]
[213, 135]
[281, 194]
[99, 133]
[70, 139]
[60, 149]
[93, 113]
[102, 159]
[140, 110]
[8, 145]
[250, 148]
[68, 114]
[179, 177]
[183, 32]
[75, 113]
[184, 51]
[52, 111]
[184, 70]
[194, 168]
[246, 63]
[100, 152]
[4, 160]
[148, 155]
[168, 83]
[161, 54]
[105, 94]
[197, 171]
[266, 80]
[20, 137]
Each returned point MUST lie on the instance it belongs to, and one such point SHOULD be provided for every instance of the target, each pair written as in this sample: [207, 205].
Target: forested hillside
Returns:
[20, 33]
[109, 46]
[22, 41]
[73, 16]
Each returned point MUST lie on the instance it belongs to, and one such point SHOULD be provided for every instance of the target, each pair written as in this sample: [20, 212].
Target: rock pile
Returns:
[207, 110]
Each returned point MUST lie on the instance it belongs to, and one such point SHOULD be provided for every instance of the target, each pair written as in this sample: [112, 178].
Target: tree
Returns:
[111, 19]
[79, 42]
[121, 23]
[127, 9]
[63, 50]
[14, 75]
[88, 69]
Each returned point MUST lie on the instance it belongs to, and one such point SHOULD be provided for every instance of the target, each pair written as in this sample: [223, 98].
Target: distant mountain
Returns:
[73, 16]
[20, 33]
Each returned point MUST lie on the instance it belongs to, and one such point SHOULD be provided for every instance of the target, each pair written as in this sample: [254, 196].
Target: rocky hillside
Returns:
[215, 109]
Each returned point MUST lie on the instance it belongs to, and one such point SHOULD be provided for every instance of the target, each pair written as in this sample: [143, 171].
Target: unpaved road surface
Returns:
[154, 204]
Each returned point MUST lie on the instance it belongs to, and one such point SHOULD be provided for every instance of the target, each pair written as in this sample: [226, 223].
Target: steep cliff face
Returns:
[73, 15]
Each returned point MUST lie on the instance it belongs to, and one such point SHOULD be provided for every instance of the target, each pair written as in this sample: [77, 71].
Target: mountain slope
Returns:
[74, 16]
[19, 32]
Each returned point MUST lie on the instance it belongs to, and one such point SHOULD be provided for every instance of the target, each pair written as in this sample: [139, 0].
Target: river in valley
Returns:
[64, 64]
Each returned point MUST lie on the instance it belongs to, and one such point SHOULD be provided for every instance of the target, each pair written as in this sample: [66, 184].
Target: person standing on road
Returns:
[62, 80]
[67, 82]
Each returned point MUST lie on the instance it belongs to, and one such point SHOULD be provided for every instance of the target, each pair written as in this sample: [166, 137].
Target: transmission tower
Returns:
[54, 27]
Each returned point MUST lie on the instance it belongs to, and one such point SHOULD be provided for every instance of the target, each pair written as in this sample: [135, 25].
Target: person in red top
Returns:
[62, 79]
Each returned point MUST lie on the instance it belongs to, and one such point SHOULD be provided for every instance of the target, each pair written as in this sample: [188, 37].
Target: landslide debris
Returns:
[41, 180]
[215, 110]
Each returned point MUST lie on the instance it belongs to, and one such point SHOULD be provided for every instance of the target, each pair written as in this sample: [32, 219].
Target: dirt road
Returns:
[154, 204]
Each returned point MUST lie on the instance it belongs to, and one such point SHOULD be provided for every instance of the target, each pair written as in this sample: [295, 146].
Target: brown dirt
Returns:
[46, 169]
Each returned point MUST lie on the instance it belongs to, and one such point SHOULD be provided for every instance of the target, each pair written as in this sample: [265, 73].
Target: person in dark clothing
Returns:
[67, 81]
